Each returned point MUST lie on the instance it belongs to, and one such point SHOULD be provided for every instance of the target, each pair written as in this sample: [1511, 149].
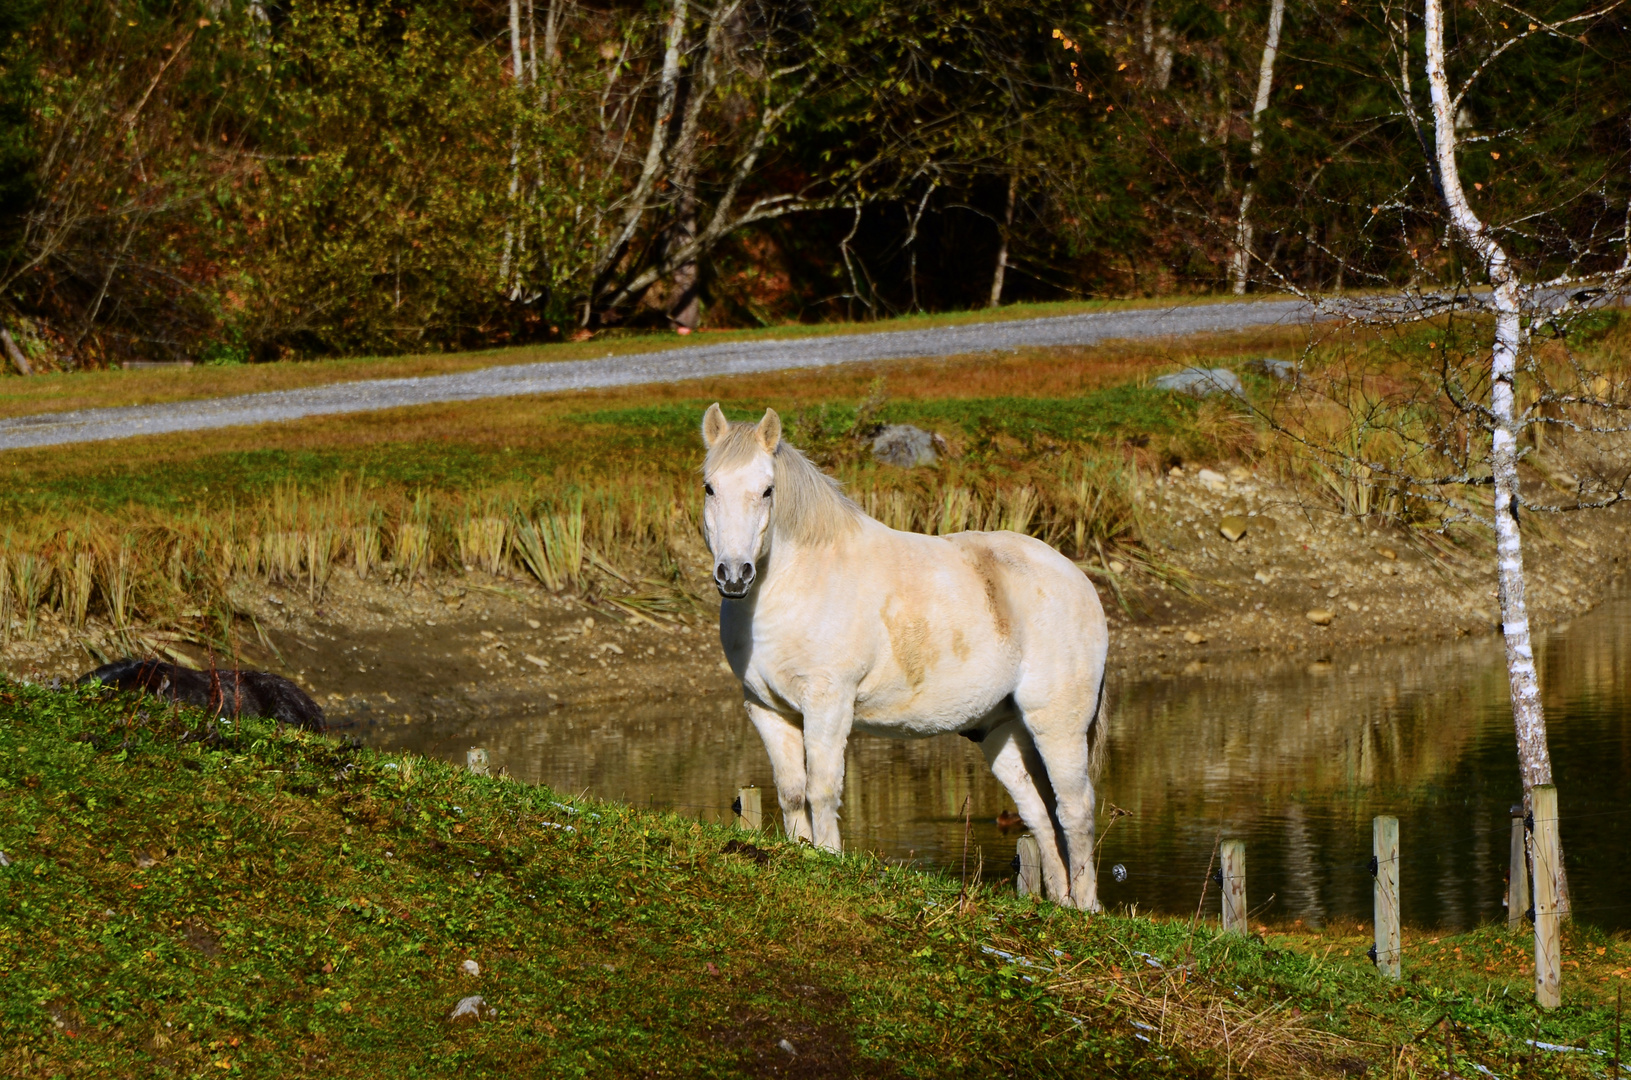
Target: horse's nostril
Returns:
[720, 573]
[747, 571]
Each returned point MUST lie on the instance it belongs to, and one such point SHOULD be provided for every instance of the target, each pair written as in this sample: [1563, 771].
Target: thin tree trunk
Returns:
[1528, 716]
[1001, 270]
[14, 354]
[509, 260]
[1240, 264]
[667, 88]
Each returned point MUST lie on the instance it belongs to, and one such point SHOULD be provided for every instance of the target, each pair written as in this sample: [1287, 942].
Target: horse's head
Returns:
[738, 489]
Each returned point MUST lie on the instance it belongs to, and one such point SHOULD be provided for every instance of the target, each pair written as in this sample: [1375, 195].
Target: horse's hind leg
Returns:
[1060, 735]
[784, 742]
[1014, 762]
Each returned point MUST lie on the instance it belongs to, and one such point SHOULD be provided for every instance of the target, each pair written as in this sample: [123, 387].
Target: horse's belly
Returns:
[905, 713]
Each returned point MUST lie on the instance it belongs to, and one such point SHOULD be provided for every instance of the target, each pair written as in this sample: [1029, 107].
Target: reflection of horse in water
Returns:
[835, 623]
[223, 692]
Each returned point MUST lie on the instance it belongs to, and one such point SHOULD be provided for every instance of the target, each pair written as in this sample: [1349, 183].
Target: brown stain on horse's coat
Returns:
[909, 640]
[989, 567]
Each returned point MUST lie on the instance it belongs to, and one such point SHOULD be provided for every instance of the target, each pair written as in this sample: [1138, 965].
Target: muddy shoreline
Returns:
[1298, 583]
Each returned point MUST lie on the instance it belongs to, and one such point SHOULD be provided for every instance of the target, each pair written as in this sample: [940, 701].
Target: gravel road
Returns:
[666, 365]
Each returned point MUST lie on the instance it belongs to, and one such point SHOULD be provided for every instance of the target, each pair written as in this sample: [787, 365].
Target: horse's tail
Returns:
[1098, 731]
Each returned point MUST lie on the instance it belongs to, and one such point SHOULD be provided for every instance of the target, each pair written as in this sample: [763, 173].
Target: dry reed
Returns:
[144, 567]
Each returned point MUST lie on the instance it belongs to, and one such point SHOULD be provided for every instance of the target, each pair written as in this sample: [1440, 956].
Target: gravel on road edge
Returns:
[670, 365]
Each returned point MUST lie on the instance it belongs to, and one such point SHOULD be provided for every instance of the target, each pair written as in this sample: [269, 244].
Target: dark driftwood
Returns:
[226, 692]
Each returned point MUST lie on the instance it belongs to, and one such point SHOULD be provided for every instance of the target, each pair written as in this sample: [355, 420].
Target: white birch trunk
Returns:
[667, 89]
[517, 73]
[1001, 270]
[1528, 717]
[1240, 262]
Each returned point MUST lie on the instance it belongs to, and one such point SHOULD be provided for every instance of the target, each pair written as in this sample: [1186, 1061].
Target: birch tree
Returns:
[1240, 260]
[1510, 300]
[1528, 714]
[1465, 400]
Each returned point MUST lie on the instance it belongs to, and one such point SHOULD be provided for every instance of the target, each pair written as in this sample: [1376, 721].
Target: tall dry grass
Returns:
[148, 568]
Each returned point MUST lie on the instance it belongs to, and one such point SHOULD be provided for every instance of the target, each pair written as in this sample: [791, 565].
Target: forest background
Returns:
[237, 180]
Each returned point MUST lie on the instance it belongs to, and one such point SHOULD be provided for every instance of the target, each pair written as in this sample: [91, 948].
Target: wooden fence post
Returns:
[1232, 860]
[1385, 865]
[749, 814]
[1517, 876]
[1028, 882]
[1548, 944]
[475, 759]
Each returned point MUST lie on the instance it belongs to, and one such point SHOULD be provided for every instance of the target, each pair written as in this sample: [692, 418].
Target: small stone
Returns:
[1176, 472]
[1263, 577]
[1117, 566]
[1233, 527]
[1387, 553]
[725, 667]
[785, 1045]
[906, 446]
[4, 861]
[1194, 637]
[471, 968]
[1388, 569]
[1353, 605]
[534, 623]
[1240, 474]
[472, 1010]
[1319, 617]
[1214, 482]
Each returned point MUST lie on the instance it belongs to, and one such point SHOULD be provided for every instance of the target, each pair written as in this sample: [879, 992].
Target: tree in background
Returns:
[224, 179]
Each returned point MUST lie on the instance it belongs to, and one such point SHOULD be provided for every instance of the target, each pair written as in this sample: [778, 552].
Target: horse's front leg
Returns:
[827, 721]
[784, 742]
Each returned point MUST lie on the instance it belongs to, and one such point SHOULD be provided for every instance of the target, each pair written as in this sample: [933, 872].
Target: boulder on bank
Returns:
[907, 446]
[1201, 382]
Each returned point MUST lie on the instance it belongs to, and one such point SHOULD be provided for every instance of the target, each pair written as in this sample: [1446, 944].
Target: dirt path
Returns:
[668, 365]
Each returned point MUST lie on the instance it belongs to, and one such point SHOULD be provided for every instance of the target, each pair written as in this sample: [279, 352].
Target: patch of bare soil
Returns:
[1296, 579]
[1302, 583]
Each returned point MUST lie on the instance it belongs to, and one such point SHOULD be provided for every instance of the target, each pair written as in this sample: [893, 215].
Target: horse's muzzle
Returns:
[733, 581]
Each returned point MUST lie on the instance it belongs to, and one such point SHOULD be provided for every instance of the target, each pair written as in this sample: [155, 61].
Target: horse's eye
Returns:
[769, 489]
[707, 489]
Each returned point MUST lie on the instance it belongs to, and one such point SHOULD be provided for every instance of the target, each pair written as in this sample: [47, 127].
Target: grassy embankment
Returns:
[190, 899]
[580, 490]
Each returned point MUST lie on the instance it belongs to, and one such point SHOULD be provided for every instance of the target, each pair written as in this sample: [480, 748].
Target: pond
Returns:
[1293, 757]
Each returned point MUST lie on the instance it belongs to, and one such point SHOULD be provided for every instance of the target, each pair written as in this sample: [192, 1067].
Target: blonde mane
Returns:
[811, 508]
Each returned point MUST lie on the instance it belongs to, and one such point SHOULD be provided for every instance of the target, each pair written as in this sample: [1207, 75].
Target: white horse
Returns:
[836, 623]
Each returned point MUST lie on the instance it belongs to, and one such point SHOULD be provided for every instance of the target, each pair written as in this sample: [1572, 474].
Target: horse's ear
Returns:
[714, 425]
[769, 431]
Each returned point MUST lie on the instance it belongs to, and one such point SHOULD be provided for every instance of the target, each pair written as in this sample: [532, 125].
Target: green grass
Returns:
[1124, 411]
[308, 904]
[656, 437]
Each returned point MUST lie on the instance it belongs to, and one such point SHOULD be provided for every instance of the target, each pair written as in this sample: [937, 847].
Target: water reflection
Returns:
[1296, 759]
